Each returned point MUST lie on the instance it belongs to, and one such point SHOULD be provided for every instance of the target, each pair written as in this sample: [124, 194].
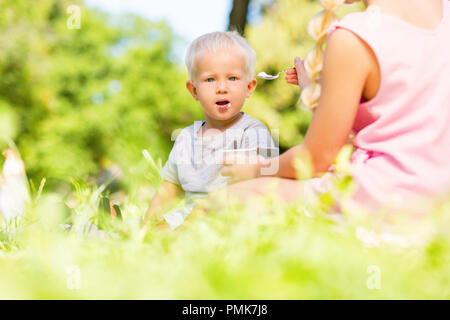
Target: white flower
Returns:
[13, 187]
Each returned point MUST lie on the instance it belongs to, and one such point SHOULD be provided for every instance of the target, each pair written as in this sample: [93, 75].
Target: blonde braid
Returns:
[318, 29]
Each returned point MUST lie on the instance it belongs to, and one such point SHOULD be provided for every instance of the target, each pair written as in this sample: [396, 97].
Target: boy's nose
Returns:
[221, 87]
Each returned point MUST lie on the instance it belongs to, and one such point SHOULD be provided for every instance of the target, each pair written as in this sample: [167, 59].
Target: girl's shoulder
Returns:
[357, 34]
[378, 23]
[355, 16]
[364, 21]
[347, 44]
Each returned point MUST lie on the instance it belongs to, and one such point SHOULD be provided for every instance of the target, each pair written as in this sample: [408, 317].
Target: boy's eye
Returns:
[210, 79]
[233, 78]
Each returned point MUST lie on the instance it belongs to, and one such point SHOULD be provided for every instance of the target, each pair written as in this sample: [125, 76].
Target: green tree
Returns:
[77, 100]
[238, 15]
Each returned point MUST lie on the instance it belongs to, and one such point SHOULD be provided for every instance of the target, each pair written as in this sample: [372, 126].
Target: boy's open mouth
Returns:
[223, 105]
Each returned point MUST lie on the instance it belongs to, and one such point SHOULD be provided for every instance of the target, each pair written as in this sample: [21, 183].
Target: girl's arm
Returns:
[348, 62]
[347, 65]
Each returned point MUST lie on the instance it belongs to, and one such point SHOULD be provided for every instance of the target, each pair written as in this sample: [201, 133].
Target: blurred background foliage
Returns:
[82, 103]
[78, 101]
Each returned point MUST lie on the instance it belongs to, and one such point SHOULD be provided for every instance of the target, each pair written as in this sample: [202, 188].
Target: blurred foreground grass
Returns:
[257, 250]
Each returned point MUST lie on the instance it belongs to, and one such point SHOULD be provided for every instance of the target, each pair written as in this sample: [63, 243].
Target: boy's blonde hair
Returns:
[318, 29]
[220, 40]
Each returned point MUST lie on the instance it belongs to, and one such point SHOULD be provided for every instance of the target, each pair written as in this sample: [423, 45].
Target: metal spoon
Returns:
[266, 76]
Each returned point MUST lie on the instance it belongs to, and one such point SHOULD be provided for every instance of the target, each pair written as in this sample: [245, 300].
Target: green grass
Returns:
[258, 250]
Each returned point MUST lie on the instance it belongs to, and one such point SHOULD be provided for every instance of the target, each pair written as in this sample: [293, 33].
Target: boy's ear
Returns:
[191, 88]
[251, 87]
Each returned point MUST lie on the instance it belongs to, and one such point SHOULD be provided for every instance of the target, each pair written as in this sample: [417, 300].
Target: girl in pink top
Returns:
[386, 78]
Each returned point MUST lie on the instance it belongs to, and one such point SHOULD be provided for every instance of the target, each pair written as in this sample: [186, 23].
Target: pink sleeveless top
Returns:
[402, 136]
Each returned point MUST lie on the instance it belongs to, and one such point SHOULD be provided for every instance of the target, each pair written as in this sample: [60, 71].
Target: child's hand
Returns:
[240, 168]
[298, 75]
[157, 218]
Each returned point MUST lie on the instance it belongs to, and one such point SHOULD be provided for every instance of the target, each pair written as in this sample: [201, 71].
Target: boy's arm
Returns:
[168, 191]
[165, 195]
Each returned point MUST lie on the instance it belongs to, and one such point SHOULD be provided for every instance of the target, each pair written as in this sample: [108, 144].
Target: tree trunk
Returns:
[238, 16]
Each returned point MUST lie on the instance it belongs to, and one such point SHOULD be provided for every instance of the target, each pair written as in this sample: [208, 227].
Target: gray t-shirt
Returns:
[195, 162]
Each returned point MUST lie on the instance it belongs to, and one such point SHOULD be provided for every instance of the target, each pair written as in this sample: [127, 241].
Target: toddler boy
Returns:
[221, 69]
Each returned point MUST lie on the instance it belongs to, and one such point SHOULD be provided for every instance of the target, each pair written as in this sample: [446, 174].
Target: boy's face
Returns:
[221, 83]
